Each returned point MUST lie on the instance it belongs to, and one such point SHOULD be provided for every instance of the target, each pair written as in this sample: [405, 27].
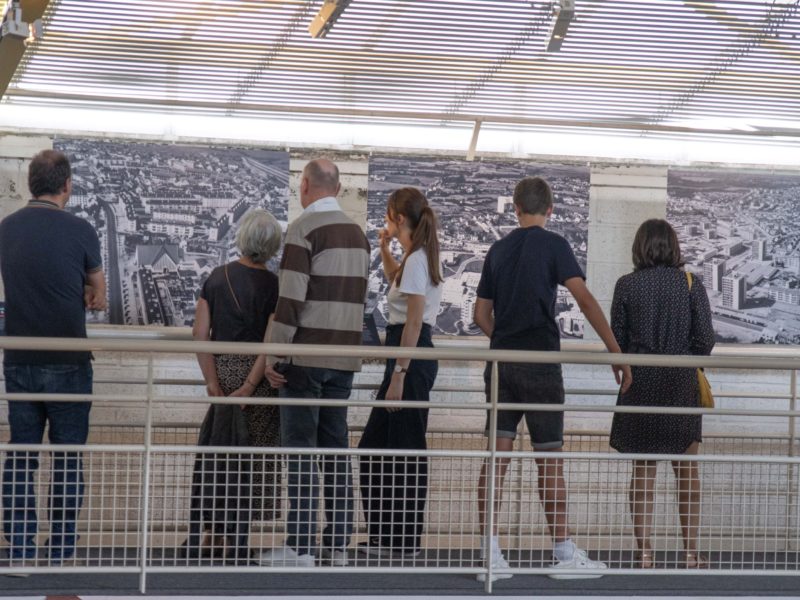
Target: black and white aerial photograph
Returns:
[473, 201]
[739, 235]
[167, 215]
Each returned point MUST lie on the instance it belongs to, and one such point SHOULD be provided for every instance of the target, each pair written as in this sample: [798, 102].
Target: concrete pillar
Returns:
[15, 154]
[620, 199]
[353, 175]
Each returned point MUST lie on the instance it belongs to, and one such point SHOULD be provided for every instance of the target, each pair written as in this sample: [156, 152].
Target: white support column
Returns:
[353, 175]
[620, 199]
[15, 154]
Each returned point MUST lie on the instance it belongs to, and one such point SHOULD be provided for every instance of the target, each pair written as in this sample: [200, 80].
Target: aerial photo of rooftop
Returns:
[473, 201]
[166, 216]
[740, 234]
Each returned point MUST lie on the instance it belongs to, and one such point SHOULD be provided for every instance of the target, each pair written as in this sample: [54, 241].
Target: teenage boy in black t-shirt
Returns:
[516, 309]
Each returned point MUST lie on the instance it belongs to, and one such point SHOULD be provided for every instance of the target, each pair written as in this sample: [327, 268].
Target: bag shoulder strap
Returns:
[689, 279]
[230, 287]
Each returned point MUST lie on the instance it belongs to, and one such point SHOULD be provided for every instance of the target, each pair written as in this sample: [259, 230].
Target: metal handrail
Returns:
[728, 358]
[785, 359]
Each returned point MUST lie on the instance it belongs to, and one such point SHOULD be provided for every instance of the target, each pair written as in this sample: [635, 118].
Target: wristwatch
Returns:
[399, 369]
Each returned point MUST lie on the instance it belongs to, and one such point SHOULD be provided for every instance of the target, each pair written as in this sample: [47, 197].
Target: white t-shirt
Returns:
[416, 280]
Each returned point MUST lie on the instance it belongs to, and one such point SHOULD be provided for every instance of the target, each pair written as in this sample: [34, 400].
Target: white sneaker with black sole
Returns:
[594, 568]
[335, 557]
[498, 562]
[377, 551]
[285, 557]
[17, 563]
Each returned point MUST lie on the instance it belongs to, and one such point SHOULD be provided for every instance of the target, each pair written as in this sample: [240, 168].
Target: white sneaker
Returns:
[579, 561]
[15, 563]
[284, 557]
[337, 558]
[498, 562]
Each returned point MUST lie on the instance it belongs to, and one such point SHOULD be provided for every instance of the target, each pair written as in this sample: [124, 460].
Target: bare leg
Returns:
[553, 494]
[643, 480]
[502, 445]
[688, 480]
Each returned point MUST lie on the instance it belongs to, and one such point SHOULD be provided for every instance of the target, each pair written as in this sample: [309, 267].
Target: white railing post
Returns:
[148, 441]
[791, 500]
[490, 516]
[521, 491]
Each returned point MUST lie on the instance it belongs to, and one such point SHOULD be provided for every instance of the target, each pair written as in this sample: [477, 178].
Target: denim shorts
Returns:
[529, 384]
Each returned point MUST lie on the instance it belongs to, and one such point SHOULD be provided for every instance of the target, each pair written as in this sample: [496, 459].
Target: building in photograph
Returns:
[785, 295]
[760, 250]
[733, 291]
[713, 271]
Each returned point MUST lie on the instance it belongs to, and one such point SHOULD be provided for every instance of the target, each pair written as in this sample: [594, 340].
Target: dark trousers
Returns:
[394, 488]
[69, 424]
[317, 427]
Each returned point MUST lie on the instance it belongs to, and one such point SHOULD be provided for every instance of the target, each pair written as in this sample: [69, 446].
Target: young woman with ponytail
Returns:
[394, 488]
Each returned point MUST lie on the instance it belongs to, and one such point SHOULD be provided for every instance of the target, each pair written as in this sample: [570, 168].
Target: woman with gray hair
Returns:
[231, 490]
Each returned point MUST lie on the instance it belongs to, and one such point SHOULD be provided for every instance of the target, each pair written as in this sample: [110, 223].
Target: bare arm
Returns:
[484, 315]
[390, 264]
[594, 314]
[409, 339]
[201, 331]
[94, 294]
[254, 378]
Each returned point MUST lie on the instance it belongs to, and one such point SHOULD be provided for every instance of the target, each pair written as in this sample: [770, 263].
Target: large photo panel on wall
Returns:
[474, 203]
[740, 236]
[167, 215]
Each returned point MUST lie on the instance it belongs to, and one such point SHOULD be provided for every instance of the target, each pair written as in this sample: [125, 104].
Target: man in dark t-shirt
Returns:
[516, 309]
[52, 272]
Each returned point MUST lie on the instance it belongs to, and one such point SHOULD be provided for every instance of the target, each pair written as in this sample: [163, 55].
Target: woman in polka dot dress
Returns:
[655, 311]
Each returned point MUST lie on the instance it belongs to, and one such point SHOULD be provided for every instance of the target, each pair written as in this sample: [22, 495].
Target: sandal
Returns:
[644, 559]
[695, 560]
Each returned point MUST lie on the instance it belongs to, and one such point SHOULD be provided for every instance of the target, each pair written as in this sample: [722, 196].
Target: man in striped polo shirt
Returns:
[322, 287]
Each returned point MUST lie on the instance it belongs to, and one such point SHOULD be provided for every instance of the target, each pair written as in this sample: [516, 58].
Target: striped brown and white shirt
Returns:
[322, 284]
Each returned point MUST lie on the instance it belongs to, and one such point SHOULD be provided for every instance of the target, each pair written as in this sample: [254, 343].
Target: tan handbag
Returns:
[705, 398]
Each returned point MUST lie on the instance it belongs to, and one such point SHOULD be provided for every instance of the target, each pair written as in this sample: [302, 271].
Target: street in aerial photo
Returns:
[167, 215]
[473, 201]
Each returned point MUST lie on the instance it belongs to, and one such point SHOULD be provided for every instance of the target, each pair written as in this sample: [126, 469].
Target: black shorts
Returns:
[529, 384]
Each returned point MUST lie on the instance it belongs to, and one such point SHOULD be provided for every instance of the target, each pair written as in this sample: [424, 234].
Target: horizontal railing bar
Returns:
[469, 570]
[374, 452]
[786, 360]
[481, 343]
[461, 432]
[404, 569]
[466, 389]
[477, 406]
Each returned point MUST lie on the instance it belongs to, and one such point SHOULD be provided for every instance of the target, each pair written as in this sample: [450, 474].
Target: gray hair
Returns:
[259, 236]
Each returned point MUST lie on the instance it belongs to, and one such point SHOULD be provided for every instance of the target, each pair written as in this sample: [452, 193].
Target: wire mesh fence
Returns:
[225, 509]
[155, 500]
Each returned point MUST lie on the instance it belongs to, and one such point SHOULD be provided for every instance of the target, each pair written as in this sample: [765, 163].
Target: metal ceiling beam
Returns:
[345, 112]
[12, 49]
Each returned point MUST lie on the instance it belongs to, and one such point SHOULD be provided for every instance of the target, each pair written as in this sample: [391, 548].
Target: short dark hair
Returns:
[656, 245]
[533, 196]
[48, 173]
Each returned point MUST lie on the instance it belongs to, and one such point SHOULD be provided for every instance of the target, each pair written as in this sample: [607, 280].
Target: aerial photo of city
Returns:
[740, 235]
[473, 201]
[167, 215]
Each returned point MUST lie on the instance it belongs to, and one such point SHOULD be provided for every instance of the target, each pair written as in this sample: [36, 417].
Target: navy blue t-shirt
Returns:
[520, 276]
[45, 254]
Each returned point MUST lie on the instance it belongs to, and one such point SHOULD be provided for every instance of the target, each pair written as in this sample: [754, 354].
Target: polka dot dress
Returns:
[654, 312]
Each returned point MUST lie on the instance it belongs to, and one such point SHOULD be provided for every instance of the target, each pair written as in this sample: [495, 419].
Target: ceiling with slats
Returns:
[639, 65]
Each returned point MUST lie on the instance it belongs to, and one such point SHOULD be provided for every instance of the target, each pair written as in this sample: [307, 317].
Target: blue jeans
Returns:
[317, 427]
[68, 424]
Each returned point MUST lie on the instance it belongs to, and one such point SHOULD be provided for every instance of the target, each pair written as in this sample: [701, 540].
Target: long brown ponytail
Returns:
[412, 204]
